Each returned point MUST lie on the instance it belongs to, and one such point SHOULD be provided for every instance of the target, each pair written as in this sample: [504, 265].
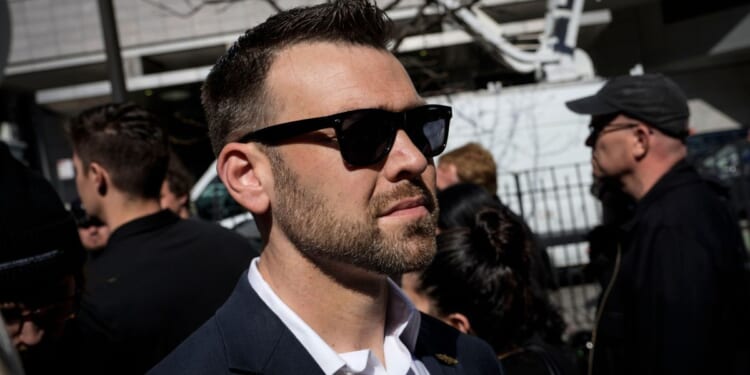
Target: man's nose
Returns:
[29, 335]
[405, 160]
[591, 140]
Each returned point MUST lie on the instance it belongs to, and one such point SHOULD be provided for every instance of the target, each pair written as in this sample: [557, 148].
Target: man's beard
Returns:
[319, 233]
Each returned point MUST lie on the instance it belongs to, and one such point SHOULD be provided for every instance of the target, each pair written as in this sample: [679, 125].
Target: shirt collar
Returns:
[144, 224]
[402, 320]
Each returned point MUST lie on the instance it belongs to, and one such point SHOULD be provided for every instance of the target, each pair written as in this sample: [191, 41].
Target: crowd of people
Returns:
[375, 259]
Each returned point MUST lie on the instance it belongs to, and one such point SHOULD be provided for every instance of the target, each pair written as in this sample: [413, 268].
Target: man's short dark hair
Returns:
[127, 141]
[234, 97]
[179, 180]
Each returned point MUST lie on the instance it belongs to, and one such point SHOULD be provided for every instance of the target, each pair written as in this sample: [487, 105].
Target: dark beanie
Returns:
[39, 242]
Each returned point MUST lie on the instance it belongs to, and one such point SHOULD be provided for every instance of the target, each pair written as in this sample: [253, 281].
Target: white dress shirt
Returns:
[401, 331]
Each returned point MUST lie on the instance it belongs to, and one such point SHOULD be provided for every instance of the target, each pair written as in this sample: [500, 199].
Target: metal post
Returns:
[519, 194]
[112, 46]
[5, 30]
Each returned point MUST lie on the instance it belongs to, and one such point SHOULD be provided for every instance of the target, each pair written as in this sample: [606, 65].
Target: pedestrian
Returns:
[322, 136]
[674, 302]
[93, 232]
[41, 269]
[175, 190]
[481, 282]
[470, 163]
[159, 277]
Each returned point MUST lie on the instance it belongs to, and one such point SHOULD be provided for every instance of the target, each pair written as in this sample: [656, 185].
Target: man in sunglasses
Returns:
[92, 231]
[159, 277]
[321, 135]
[677, 288]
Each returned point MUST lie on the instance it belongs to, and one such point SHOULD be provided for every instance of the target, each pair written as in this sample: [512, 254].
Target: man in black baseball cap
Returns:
[652, 99]
[678, 284]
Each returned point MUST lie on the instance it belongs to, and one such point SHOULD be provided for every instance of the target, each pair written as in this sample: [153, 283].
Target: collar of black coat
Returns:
[144, 224]
[257, 342]
[681, 174]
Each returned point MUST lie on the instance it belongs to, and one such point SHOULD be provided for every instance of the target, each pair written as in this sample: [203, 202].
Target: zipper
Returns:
[601, 308]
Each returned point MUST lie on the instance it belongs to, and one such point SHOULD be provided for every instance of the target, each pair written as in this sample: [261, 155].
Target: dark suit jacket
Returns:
[246, 337]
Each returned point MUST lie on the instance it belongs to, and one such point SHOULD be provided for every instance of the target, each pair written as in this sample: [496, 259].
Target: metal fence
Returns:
[557, 204]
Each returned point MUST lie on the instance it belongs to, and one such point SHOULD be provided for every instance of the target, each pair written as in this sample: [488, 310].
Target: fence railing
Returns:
[557, 204]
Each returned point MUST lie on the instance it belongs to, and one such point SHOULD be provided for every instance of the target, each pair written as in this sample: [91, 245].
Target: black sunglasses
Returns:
[365, 136]
[597, 131]
[90, 221]
[43, 316]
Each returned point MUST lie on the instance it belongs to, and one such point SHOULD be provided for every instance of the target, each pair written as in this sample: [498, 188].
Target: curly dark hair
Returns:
[484, 272]
[234, 97]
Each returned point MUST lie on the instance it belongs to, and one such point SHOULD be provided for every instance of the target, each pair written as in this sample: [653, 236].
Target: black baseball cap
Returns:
[651, 98]
[38, 237]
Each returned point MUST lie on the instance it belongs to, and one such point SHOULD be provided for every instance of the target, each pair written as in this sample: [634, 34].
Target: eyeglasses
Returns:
[596, 131]
[90, 221]
[44, 316]
[365, 136]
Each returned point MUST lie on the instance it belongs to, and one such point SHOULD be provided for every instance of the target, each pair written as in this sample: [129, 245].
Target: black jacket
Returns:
[246, 337]
[675, 304]
[157, 281]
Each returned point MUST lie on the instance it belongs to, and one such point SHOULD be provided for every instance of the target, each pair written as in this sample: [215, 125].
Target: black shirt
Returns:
[158, 279]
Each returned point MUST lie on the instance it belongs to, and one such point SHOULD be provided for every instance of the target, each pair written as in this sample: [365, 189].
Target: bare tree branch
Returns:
[415, 24]
[391, 5]
[276, 6]
[192, 8]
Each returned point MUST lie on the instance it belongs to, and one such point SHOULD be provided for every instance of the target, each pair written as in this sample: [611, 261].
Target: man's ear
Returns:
[100, 178]
[246, 173]
[183, 199]
[642, 141]
[459, 321]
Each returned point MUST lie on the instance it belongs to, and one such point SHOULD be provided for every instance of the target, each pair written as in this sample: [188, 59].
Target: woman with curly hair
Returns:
[481, 282]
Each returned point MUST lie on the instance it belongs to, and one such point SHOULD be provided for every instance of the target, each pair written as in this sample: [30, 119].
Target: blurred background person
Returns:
[41, 260]
[480, 282]
[677, 286]
[10, 364]
[159, 277]
[175, 190]
[459, 205]
[469, 163]
[92, 231]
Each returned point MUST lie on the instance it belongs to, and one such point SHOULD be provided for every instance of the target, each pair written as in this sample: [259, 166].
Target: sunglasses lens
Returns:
[12, 315]
[90, 221]
[365, 137]
[428, 129]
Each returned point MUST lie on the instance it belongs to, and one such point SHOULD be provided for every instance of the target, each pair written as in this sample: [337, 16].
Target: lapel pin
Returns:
[448, 360]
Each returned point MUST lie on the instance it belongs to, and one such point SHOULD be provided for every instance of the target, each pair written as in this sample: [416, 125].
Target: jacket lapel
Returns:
[256, 341]
[436, 347]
